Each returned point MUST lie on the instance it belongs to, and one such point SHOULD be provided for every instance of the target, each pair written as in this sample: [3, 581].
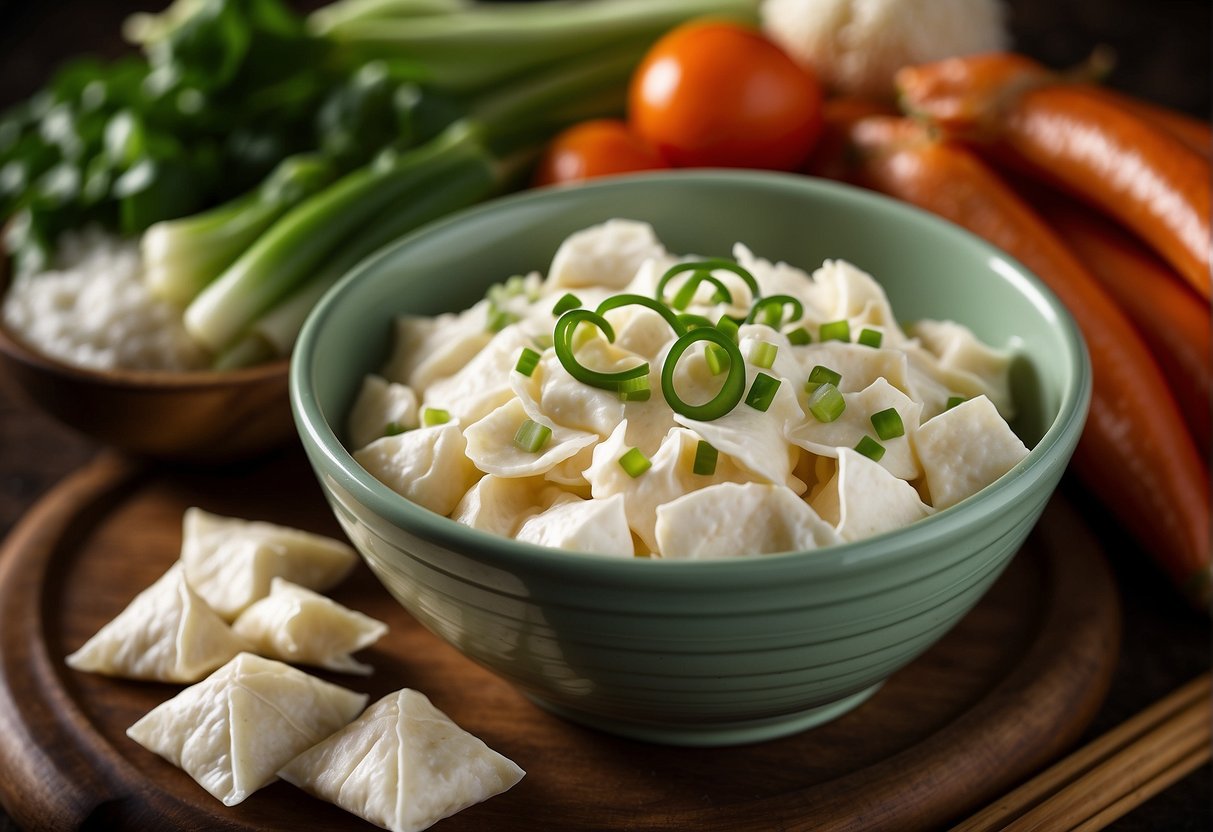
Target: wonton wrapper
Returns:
[166, 634]
[499, 505]
[403, 765]
[428, 466]
[491, 448]
[294, 624]
[606, 255]
[576, 525]
[232, 731]
[863, 499]
[380, 404]
[965, 449]
[230, 562]
[427, 349]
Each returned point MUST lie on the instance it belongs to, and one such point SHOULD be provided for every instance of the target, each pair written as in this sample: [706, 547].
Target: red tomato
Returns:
[595, 148]
[717, 93]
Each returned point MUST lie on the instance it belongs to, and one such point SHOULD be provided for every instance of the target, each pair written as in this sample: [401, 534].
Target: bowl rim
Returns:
[330, 457]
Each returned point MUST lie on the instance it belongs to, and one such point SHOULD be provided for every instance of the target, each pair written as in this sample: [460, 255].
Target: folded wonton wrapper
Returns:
[299, 626]
[403, 765]
[230, 562]
[166, 634]
[232, 731]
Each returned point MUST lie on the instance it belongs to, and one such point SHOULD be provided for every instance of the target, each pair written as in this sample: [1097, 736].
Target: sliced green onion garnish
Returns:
[870, 337]
[532, 436]
[731, 390]
[635, 389]
[628, 299]
[769, 310]
[870, 448]
[706, 267]
[836, 331]
[762, 392]
[729, 327]
[819, 375]
[799, 336]
[888, 424]
[393, 429]
[717, 359]
[562, 341]
[635, 462]
[569, 301]
[953, 401]
[763, 354]
[499, 319]
[690, 320]
[826, 403]
[527, 361]
[431, 416]
[705, 459]
[686, 292]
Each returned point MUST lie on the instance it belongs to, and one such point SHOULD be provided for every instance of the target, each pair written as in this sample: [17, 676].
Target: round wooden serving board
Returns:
[1004, 693]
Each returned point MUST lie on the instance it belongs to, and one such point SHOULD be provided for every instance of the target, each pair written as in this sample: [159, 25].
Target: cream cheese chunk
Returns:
[166, 634]
[403, 765]
[230, 562]
[295, 625]
[232, 731]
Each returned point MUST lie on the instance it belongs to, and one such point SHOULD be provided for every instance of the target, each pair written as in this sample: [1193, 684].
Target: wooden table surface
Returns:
[1164, 55]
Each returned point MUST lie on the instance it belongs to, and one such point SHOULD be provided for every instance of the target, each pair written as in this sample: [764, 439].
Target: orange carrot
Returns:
[1172, 321]
[828, 158]
[1135, 454]
[1079, 140]
[1193, 132]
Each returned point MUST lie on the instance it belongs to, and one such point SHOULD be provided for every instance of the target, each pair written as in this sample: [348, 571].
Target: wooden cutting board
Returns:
[1010, 688]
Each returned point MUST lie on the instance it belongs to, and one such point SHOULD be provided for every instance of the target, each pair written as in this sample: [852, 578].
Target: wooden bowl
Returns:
[196, 417]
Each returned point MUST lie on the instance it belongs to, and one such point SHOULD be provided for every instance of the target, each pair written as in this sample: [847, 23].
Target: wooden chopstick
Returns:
[1117, 772]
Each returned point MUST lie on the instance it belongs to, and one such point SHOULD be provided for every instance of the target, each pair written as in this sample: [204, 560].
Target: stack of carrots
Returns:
[1105, 198]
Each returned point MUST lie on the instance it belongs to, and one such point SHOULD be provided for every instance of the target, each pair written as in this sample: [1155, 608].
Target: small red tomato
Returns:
[595, 148]
[720, 94]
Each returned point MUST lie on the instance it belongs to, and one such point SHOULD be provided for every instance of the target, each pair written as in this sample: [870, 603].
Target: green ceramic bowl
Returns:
[691, 652]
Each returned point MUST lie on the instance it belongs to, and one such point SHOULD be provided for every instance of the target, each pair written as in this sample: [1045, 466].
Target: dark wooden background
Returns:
[1163, 49]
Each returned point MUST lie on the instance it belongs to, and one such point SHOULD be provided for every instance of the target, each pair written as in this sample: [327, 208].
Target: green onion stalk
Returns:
[315, 242]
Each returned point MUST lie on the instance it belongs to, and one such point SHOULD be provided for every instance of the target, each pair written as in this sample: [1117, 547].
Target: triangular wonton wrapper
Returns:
[299, 626]
[403, 765]
[230, 562]
[166, 634]
[232, 731]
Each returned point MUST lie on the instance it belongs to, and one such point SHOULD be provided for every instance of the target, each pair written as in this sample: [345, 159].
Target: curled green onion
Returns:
[826, 403]
[532, 436]
[528, 360]
[769, 310]
[705, 459]
[763, 354]
[819, 375]
[634, 462]
[731, 391]
[836, 331]
[567, 302]
[870, 337]
[706, 267]
[628, 299]
[634, 389]
[434, 416]
[888, 424]
[799, 336]
[953, 401]
[691, 321]
[762, 392]
[686, 292]
[562, 341]
[870, 448]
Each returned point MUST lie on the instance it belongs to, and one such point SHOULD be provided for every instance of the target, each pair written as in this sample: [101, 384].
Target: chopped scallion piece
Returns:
[826, 403]
[819, 375]
[836, 331]
[532, 436]
[435, 416]
[763, 354]
[499, 319]
[635, 389]
[567, 302]
[762, 392]
[717, 358]
[729, 327]
[870, 448]
[870, 337]
[527, 361]
[393, 429]
[953, 401]
[888, 424]
[705, 459]
[799, 336]
[635, 462]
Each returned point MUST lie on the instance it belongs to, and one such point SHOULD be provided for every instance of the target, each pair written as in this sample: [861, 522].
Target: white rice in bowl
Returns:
[92, 310]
